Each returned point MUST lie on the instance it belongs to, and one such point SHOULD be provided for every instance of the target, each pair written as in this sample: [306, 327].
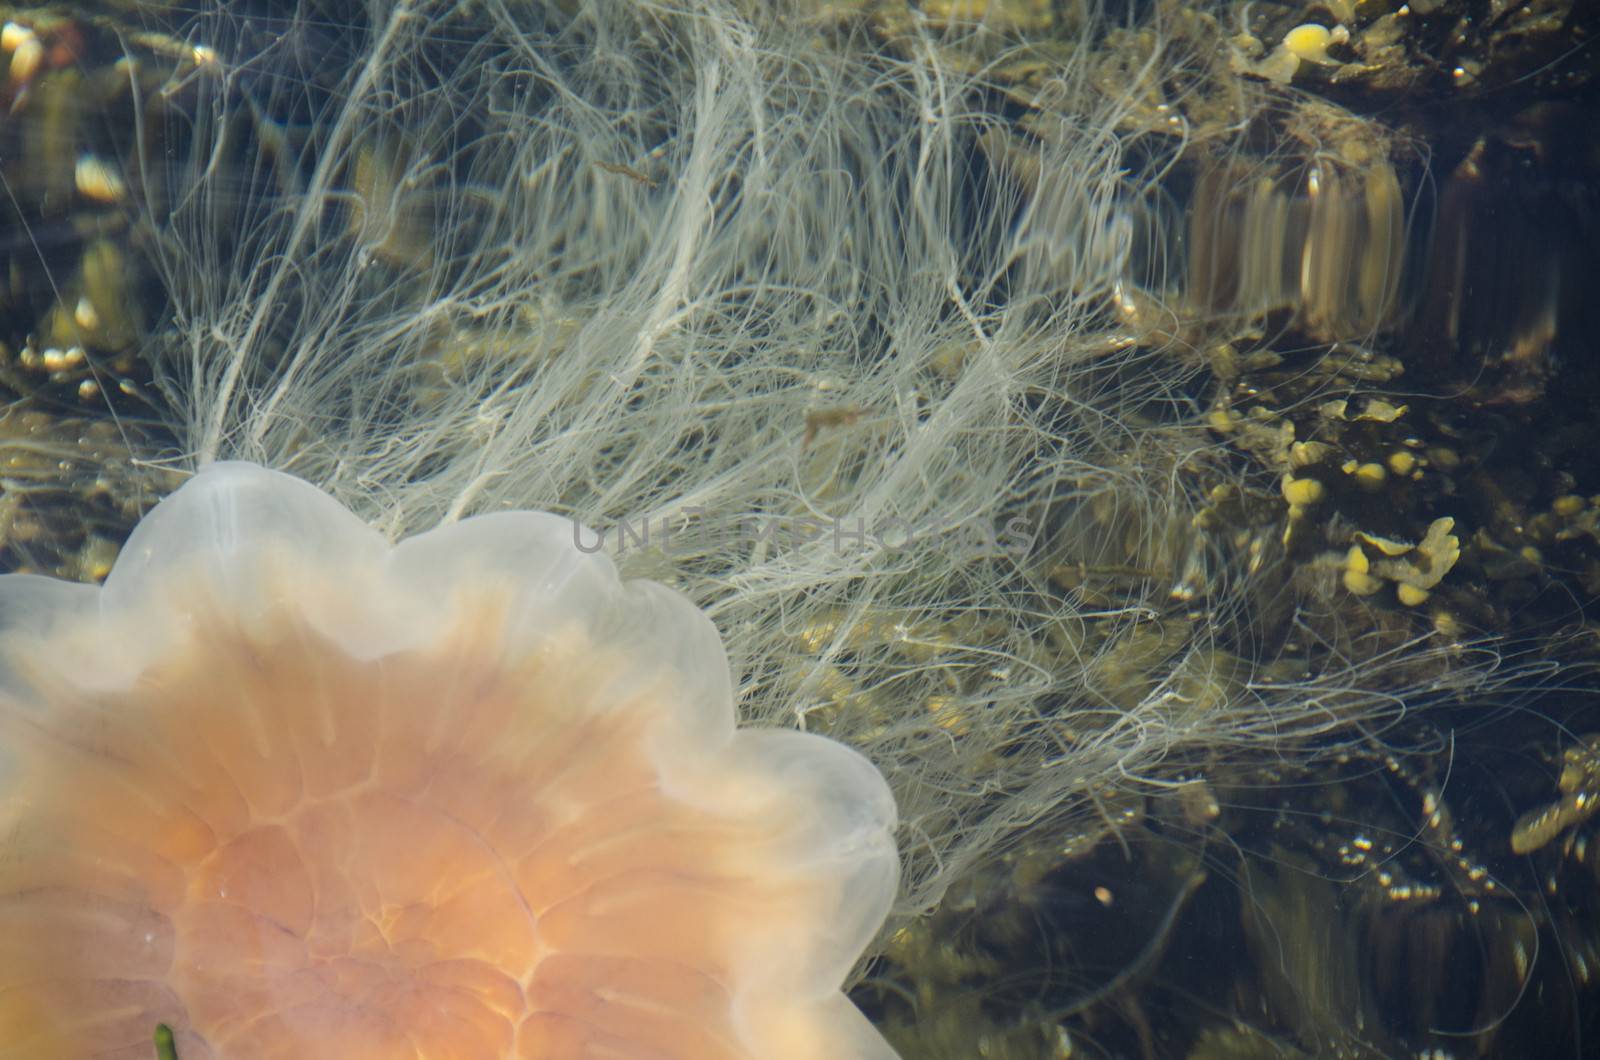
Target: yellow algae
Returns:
[1402, 462]
[1410, 595]
[1310, 42]
[1302, 492]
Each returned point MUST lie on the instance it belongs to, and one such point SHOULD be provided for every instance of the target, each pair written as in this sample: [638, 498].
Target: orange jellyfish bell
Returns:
[295, 792]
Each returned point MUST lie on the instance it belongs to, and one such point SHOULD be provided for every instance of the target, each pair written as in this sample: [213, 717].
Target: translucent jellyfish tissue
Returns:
[293, 791]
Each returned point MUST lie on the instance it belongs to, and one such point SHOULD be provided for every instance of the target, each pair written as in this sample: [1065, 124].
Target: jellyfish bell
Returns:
[290, 790]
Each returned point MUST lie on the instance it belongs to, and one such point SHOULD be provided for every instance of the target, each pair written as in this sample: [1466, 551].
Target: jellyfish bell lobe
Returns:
[289, 790]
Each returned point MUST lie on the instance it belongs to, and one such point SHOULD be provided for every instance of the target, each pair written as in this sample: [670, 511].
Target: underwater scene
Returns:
[799, 529]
